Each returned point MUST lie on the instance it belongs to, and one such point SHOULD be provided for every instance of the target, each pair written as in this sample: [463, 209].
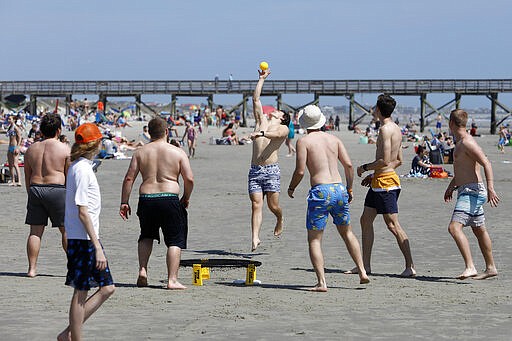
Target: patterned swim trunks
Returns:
[325, 199]
[469, 209]
[82, 271]
[265, 178]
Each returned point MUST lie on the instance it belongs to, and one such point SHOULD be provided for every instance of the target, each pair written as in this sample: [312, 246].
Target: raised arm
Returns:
[256, 103]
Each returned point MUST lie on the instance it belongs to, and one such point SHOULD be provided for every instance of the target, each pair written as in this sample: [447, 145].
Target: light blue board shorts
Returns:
[469, 209]
[325, 199]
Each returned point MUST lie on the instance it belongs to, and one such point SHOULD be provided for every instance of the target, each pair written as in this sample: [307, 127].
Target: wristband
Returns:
[349, 190]
[125, 203]
[262, 132]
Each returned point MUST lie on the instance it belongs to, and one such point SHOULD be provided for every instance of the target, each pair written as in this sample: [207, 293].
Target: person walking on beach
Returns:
[384, 183]
[439, 121]
[503, 138]
[46, 165]
[160, 165]
[320, 152]
[191, 135]
[87, 263]
[468, 158]
[13, 151]
[265, 175]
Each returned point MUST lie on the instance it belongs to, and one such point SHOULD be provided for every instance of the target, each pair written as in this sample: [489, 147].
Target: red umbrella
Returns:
[268, 109]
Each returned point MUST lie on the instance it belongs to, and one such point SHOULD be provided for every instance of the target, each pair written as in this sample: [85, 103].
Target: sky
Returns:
[300, 39]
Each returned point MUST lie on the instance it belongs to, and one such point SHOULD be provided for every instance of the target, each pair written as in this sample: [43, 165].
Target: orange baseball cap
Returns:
[87, 132]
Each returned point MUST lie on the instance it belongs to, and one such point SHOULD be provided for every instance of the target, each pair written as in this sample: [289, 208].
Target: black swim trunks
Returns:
[46, 201]
[385, 202]
[163, 210]
[82, 271]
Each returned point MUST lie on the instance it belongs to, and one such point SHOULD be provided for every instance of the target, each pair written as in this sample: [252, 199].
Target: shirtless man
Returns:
[46, 165]
[265, 175]
[468, 158]
[320, 152]
[384, 183]
[160, 165]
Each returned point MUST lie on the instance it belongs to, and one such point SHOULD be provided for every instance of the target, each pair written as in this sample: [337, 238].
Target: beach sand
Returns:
[433, 305]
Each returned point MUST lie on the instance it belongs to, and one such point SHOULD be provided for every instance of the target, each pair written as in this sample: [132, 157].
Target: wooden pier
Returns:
[489, 88]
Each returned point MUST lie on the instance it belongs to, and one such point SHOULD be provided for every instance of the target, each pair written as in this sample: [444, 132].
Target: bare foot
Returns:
[279, 228]
[175, 285]
[318, 288]
[409, 272]
[65, 335]
[142, 281]
[31, 273]
[255, 244]
[487, 274]
[355, 271]
[471, 272]
[364, 280]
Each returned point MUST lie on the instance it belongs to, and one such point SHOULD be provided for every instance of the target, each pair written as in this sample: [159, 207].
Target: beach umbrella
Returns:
[15, 99]
[268, 109]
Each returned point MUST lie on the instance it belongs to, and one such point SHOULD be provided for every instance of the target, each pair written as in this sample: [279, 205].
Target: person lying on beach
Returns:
[472, 194]
[160, 165]
[319, 152]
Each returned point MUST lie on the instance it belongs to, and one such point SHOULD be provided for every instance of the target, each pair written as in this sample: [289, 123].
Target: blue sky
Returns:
[301, 39]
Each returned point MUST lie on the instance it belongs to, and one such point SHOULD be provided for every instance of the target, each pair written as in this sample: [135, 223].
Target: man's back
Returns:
[389, 144]
[322, 154]
[47, 162]
[160, 166]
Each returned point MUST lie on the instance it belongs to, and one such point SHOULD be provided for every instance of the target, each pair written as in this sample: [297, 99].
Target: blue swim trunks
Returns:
[469, 209]
[325, 199]
[265, 178]
[82, 271]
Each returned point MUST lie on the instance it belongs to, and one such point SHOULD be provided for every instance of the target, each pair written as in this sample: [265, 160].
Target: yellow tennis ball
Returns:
[263, 66]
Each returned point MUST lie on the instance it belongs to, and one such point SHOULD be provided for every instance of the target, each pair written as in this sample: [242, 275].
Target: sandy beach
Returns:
[433, 305]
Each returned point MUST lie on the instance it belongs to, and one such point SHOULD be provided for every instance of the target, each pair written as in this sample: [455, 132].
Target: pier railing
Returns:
[204, 87]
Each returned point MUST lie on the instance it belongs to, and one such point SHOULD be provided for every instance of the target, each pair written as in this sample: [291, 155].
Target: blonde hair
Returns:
[87, 150]
[459, 117]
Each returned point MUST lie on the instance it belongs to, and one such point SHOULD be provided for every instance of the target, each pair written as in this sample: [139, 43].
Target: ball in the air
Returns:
[263, 66]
